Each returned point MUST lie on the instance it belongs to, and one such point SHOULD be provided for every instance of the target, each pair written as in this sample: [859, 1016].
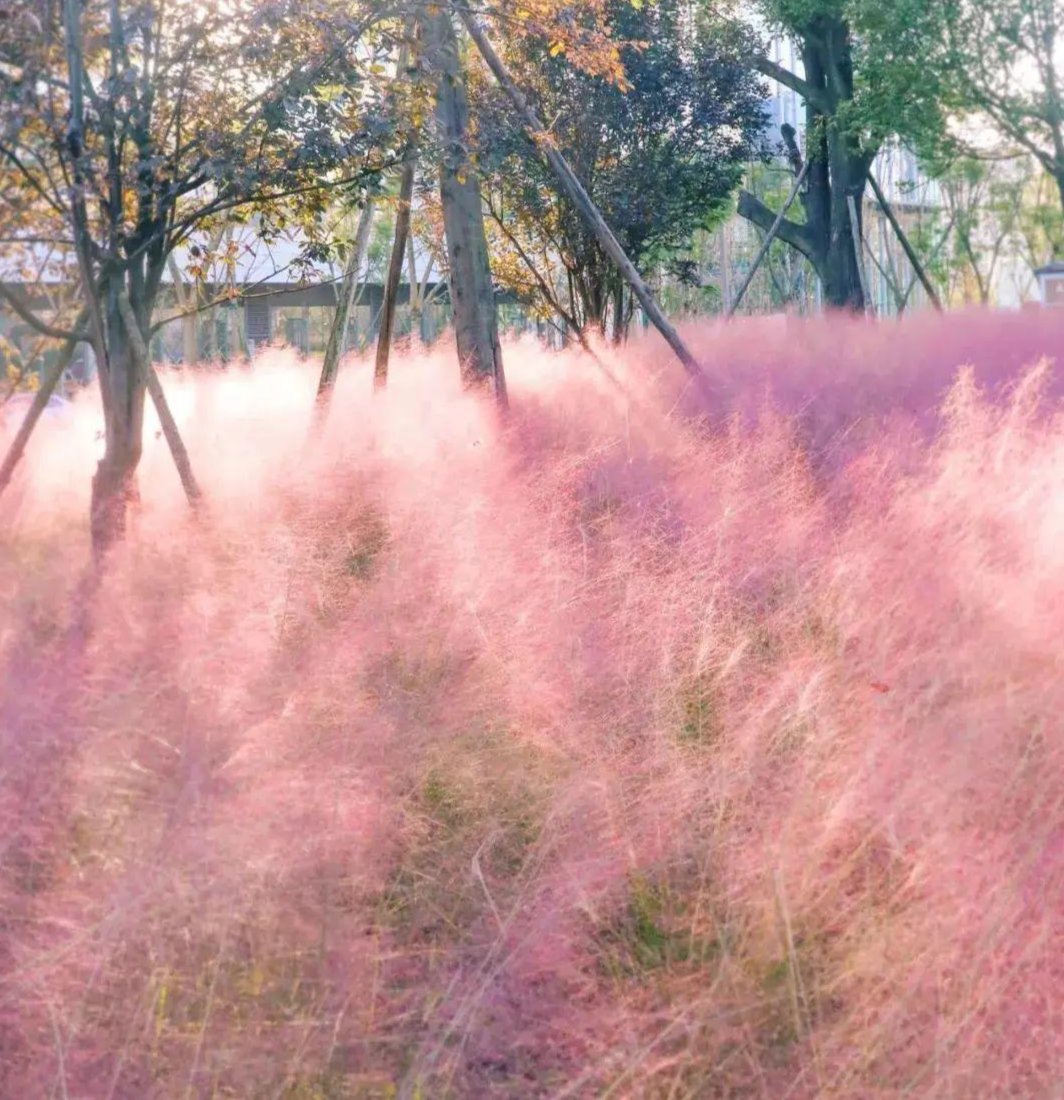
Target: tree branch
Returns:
[789, 80]
[903, 240]
[797, 236]
[18, 303]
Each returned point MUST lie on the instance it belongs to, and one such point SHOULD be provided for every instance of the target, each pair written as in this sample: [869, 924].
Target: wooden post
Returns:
[337, 342]
[579, 196]
[903, 240]
[766, 244]
[858, 241]
[155, 390]
[49, 381]
[395, 269]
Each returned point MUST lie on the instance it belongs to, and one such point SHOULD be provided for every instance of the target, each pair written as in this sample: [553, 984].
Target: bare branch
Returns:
[17, 300]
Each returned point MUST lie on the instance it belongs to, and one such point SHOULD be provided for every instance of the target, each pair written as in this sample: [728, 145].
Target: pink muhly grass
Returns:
[613, 749]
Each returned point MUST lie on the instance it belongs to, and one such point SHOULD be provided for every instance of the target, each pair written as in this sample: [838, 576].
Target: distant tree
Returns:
[660, 150]
[1003, 65]
[984, 202]
[1041, 220]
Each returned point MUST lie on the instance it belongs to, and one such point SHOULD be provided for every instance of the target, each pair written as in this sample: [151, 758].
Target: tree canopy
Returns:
[659, 154]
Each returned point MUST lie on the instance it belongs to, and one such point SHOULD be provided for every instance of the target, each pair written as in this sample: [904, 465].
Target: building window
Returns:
[257, 322]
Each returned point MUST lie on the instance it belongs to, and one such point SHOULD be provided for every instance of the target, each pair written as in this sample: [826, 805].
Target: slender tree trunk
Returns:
[417, 292]
[188, 299]
[770, 236]
[395, 269]
[337, 342]
[906, 245]
[472, 291]
[189, 340]
[857, 236]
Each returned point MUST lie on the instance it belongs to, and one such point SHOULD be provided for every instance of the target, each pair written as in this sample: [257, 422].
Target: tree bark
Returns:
[395, 270]
[579, 196]
[472, 291]
[123, 388]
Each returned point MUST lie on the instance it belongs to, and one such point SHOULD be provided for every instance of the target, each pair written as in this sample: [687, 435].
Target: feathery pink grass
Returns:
[610, 750]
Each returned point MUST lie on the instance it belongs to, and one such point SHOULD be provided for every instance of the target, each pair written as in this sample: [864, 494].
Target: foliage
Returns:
[185, 114]
[1002, 61]
[659, 156]
[894, 89]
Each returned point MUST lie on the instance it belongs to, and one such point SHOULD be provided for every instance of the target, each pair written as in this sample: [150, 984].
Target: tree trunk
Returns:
[395, 270]
[907, 248]
[472, 292]
[620, 326]
[417, 293]
[142, 357]
[838, 171]
[123, 390]
[841, 169]
[836, 259]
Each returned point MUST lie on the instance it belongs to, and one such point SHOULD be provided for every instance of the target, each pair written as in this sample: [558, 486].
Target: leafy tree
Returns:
[864, 79]
[127, 127]
[660, 150]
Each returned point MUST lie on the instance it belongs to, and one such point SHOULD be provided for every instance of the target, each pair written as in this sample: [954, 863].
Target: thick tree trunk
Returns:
[472, 292]
[395, 270]
[836, 260]
[123, 389]
[837, 170]
[840, 171]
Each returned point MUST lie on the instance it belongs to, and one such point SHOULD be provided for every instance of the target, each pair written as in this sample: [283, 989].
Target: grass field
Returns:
[646, 744]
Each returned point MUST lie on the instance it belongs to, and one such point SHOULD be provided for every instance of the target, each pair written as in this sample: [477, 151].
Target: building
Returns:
[1051, 284]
